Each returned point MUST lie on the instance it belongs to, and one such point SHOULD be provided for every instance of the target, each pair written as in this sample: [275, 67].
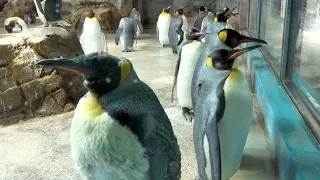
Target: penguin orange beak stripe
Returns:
[71, 64]
[230, 14]
[200, 35]
[236, 53]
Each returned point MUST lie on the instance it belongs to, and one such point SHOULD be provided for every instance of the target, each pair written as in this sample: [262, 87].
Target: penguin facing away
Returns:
[175, 31]
[188, 56]
[119, 130]
[135, 16]
[49, 12]
[126, 33]
[224, 116]
[92, 38]
[202, 14]
[207, 21]
[15, 25]
[163, 24]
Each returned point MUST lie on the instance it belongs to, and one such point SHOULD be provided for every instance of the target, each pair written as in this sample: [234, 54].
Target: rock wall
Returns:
[27, 90]
[17, 8]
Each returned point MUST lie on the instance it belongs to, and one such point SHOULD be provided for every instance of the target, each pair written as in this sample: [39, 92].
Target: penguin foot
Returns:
[46, 24]
[174, 52]
[188, 115]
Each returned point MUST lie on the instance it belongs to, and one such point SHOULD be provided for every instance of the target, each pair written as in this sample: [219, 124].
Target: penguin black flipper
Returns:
[206, 135]
[118, 34]
[177, 69]
[41, 9]
[53, 14]
[180, 32]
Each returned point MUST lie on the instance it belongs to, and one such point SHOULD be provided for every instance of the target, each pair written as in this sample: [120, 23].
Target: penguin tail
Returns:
[64, 23]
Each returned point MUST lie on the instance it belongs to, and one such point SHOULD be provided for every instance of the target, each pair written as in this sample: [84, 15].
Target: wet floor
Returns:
[40, 148]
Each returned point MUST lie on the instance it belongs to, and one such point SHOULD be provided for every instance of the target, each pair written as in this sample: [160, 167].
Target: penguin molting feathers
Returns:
[14, 25]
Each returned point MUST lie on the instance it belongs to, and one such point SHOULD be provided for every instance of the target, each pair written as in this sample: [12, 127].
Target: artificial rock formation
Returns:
[18, 8]
[108, 16]
[29, 91]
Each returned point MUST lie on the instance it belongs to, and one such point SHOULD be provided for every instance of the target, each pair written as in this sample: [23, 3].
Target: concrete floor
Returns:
[40, 148]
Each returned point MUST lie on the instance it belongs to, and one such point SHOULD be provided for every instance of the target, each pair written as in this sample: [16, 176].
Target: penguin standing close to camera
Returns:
[135, 16]
[92, 38]
[49, 12]
[119, 130]
[175, 31]
[188, 56]
[15, 25]
[126, 33]
[163, 24]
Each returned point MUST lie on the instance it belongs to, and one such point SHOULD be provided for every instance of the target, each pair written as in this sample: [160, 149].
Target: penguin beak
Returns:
[74, 64]
[238, 52]
[230, 13]
[200, 35]
[245, 39]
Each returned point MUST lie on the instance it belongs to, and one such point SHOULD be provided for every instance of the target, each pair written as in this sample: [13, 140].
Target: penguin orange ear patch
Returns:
[216, 19]
[223, 36]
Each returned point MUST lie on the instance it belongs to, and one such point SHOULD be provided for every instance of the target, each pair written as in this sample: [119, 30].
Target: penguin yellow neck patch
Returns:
[228, 26]
[177, 12]
[92, 19]
[223, 36]
[91, 106]
[185, 35]
[210, 63]
[125, 70]
[209, 12]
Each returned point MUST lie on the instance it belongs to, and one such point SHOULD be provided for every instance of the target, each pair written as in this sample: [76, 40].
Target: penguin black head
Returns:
[194, 34]
[102, 71]
[232, 38]
[90, 14]
[226, 9]
[222, 59]
[179, 11]
[167, 10]
[202, 8]
[9, 25]
[224, 16]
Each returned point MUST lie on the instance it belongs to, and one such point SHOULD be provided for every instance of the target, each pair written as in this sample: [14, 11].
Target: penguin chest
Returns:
[236, 121]
[93, 40]
[189, 58]
[163, 27]
[101, 147]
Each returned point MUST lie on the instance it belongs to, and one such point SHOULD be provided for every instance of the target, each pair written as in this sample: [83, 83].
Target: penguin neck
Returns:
[219, 76]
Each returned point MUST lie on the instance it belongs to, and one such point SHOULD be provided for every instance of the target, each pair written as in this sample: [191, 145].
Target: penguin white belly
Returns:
[185, 23]
[92, 37]
[122, 41]
[163, 28]
[236, 122]
[101, 147]
[41, 16]
[189, 57]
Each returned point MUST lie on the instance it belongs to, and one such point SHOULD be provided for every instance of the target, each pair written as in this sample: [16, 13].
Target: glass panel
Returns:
[253, 28]
[306, 74]
[244, 8]
[272, 26]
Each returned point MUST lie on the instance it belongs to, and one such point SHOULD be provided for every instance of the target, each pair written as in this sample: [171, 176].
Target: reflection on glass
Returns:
[243, 16]
[253, 17]
[306, 60]
[272, 26]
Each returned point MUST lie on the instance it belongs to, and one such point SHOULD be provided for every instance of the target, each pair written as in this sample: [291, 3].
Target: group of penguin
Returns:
[120, 131]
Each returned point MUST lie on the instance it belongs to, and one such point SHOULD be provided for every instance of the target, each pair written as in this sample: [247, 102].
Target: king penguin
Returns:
[207, 21]
[202, 14]
[119, 130]
[92, 38]
[15, 25]
[126, 33]
[175, 31]
[49, 12]
[188, 56]
[223, 118]
[163, 24]
[226, 39]
[135, 16]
